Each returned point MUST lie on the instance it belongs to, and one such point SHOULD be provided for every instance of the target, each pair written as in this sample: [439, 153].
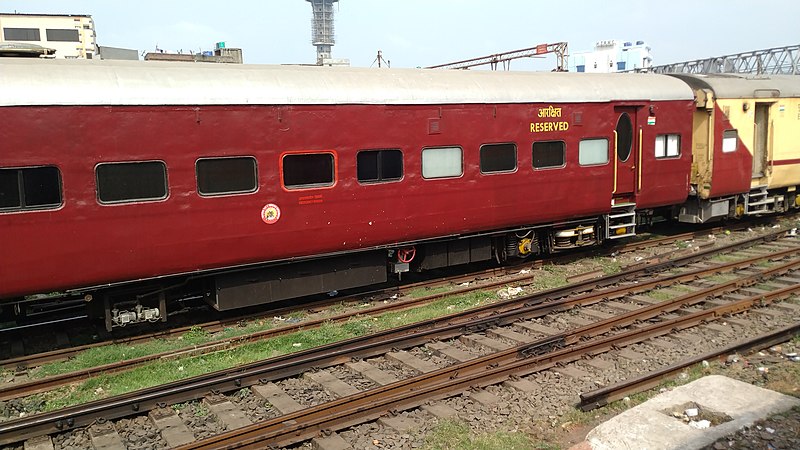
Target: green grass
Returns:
[609, 266]
[549, 277]
[660, 294]
[454, 435]
[682, 244]
[424, 292]
[165, 371]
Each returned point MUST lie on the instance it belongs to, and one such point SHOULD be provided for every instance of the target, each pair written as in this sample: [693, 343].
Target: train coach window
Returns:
[219, 176]
[131, 181]
[730, 140]
[668, 145]
[30, 188]
[21, 34]
[379, 165]
[442, 162]
[593, 152]
[549, 154]
[304, 170]
[624, 136]
[498, 158]
[57, 35]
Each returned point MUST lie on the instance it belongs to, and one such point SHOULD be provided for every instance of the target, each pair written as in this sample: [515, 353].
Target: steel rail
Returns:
[284, 366]
[17, 390]
[603, 396]
[28, 361]
[483, 371]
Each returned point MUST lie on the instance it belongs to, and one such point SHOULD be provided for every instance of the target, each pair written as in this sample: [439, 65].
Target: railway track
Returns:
[20, 364]
[15, 390]
[526, 350]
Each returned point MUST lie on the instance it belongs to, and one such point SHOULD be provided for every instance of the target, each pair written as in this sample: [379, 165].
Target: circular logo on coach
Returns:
[270, 213]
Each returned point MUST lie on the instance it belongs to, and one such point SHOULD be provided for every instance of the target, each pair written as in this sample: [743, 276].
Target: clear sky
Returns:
[415, 33]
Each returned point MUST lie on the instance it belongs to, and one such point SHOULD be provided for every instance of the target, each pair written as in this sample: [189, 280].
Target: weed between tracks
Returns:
[454, 435]
[162, 372]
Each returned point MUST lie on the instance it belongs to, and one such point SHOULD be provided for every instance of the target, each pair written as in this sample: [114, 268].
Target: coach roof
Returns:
[745, 86]
[76, 82]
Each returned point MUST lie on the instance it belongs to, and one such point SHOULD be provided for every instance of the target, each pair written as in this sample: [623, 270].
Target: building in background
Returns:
[221, 54]
[612, 56]
[71, 36]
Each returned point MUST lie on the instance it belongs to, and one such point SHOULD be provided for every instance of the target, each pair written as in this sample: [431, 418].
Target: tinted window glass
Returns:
[217, 176]
[63, 35]
[379, 165]
[548, 154]
[21, 34]
[624, 136]
[442, 162]
[308, 170]
[498, 158]
[131, 181]
[9, 188]
[41, 187]
[593, 151]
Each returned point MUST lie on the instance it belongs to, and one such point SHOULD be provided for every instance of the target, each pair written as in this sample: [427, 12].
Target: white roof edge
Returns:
[72, 82]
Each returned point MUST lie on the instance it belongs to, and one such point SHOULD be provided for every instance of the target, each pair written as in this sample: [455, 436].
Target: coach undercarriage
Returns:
[758, 201]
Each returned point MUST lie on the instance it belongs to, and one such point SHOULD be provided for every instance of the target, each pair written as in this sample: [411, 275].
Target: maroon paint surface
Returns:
[732, 171]
[84, 243]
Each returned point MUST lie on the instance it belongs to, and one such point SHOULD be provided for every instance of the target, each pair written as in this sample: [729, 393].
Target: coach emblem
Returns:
[270, 213]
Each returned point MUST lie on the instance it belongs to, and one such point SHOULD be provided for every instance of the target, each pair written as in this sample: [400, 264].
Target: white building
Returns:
[612, 56]
[72, 36]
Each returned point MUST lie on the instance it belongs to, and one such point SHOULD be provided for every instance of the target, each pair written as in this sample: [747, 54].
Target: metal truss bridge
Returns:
[773, 61]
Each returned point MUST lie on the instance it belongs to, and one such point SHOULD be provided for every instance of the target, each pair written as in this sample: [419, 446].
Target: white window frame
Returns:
[668, 146]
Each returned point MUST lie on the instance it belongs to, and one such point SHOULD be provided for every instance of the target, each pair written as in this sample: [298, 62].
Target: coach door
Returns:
[761, 139]
[626, 151]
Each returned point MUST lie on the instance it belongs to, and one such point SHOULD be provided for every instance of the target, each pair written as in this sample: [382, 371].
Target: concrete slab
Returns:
[277, 397]
[371, 372]
[579, 321]
[39, 443]
[479, 340]
[510, 335]
[646, 426]
[448, 351]
[787, 307]
[768, 313]
[572, 372]
[621, 306]
[171, 427]
[717, 328]
[331, 384]
[596, 315]
[331, 442]
[440, 410]
[484, 398]
[411, 361]
[522, 385]
[631, 355]
[105, 437]
[227, 412]
[599, 363]
[737, 321]
[537, 328]
[399, 423]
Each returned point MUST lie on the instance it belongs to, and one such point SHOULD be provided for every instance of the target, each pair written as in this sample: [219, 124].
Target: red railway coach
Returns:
[128, 184]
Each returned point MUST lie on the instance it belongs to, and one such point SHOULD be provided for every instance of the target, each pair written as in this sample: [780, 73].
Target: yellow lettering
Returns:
[545, 127]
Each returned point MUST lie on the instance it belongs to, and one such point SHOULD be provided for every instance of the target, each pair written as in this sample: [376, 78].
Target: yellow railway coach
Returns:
[745, 146]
